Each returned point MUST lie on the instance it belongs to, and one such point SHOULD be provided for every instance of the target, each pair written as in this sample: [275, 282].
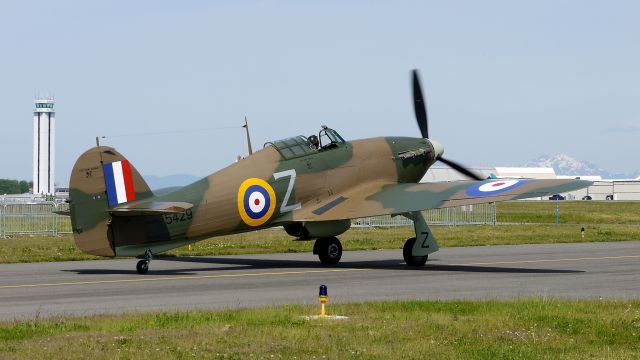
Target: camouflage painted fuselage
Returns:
[304, 181]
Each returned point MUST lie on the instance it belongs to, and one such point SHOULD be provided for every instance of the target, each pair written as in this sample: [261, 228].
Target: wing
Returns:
[374, 199]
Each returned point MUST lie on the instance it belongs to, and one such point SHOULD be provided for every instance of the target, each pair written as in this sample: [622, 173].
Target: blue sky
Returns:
[505, 81]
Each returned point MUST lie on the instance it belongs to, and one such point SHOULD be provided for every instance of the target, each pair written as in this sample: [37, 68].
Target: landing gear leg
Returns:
[329, 250]
[143, 265]
[416, 250]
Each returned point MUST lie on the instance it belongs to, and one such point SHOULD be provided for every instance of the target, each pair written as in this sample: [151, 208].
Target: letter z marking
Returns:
[292, 179]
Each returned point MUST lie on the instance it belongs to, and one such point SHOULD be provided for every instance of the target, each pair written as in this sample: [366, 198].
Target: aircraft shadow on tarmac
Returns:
[240, 264]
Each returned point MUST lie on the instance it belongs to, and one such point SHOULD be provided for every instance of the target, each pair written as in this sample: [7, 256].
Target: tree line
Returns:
[8, 186]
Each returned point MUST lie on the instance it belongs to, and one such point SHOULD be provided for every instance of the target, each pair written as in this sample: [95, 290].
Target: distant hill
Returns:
[564, 164]
[160, 182]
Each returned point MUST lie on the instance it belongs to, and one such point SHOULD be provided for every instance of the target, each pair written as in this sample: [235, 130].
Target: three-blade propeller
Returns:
[420, 108]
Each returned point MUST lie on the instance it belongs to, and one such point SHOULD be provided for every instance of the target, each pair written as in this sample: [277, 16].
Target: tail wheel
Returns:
[142, 267]
[411, 260]
[329, 250]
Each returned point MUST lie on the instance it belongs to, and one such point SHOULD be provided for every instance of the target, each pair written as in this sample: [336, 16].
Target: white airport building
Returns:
[44, 146]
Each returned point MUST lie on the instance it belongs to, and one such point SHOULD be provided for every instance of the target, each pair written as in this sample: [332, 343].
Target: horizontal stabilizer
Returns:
[151, 208]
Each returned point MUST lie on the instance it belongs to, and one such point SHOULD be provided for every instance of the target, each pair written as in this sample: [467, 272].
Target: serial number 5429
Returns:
[176, 218]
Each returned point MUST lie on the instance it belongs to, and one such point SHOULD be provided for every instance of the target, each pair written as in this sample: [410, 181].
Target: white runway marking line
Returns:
[180, 278]
[195, 277]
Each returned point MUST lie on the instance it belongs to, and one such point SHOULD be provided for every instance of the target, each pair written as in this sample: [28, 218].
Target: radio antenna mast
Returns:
[246, 127]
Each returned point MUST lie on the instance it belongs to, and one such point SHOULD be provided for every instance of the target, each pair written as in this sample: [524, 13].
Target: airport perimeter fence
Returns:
[40, 218]
[33, 218]
[481, 214]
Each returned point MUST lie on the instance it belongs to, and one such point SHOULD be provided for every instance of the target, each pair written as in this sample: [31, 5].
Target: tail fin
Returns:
[101, 179]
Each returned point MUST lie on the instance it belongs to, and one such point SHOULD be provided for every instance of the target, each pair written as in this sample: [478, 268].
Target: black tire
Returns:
[329, 250]
[413, 261]
[142, 267]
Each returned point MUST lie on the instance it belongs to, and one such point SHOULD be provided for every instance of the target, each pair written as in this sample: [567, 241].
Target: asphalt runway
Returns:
[586, 270]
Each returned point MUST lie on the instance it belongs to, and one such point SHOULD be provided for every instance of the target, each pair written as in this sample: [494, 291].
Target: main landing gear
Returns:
[329, 250]
[143, 265]
[416, 250]
[407, 251]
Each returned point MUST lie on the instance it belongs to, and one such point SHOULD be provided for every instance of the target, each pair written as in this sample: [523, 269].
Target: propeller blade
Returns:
[461, 169]
[419, 106]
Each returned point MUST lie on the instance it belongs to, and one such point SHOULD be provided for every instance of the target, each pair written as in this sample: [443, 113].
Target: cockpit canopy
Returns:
[329, 138]
[300, 145]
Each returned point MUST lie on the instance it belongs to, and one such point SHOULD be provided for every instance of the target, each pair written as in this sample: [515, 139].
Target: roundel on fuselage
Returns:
[256, 201]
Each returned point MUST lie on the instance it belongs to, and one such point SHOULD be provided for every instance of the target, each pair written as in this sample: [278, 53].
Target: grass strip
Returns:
[571, 212]
[515, 329]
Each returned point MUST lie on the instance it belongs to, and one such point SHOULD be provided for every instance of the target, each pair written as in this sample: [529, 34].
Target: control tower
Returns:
[44, 150]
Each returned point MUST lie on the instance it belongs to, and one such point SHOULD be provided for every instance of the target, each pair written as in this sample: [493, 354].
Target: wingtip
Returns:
[586, 183]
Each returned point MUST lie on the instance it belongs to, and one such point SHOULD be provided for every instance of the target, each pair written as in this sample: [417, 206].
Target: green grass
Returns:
[40, 248]
[571, 212]
[516, 329]
[522, 223]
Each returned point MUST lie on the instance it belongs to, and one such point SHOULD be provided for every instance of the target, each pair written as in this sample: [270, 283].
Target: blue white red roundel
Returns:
[256, 201]
[494, 187]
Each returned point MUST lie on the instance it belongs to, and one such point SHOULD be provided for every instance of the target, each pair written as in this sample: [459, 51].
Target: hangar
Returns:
[624, 190]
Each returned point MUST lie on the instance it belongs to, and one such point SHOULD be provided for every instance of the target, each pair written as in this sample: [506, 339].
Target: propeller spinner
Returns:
[420, 108]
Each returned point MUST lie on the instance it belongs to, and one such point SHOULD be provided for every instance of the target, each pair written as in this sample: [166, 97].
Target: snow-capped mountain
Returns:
[564, 164]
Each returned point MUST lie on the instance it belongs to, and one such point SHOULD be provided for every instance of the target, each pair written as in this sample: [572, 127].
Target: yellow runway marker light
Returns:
[323, 299]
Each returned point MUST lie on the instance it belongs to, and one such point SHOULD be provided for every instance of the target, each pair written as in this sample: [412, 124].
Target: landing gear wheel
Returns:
[329, 250]
[413, 261]
[142, 267]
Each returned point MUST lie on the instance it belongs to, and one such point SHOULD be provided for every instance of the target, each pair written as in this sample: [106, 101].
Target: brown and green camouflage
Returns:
[313, 193]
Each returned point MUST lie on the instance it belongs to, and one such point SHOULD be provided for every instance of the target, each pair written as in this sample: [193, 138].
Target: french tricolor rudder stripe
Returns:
[119, 182]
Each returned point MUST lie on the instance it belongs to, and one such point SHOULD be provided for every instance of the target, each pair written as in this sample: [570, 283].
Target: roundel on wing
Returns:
[494, 187]
[256, 201]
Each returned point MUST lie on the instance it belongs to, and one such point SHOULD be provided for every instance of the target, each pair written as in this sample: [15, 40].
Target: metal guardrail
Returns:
[33, 218]
[454, 216]
[39, 218]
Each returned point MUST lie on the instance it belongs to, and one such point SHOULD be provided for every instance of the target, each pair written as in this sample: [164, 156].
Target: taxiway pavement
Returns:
[584, 270]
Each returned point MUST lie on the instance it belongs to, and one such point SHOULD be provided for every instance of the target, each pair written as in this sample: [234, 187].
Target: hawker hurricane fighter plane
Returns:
[312, 186]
